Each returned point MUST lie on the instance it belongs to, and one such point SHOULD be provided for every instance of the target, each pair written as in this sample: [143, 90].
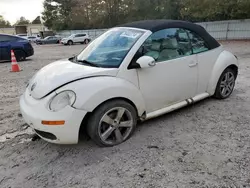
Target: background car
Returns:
[49, 40]
[24, 36]
[76, 38]
[22, 47]
[33, 38]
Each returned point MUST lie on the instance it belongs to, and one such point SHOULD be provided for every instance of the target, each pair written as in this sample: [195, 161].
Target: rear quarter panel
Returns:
[19, 44]
[26, 47]
[206, 62]
[224, 60]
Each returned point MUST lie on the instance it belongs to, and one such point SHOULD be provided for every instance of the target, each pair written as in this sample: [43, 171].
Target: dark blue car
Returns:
[22, 48]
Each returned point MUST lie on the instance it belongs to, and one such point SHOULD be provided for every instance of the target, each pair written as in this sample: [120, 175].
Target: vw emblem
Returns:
[33, 86]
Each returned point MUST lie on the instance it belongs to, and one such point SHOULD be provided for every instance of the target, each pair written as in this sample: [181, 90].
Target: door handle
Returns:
[193, 64]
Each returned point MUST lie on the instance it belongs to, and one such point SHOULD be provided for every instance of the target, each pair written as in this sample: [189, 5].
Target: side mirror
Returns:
[146, 62]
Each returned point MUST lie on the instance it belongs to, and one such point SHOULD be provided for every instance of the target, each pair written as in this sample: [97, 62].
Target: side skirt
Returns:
[176, 106]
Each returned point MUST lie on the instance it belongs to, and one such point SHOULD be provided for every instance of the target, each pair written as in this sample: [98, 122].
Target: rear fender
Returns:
[224, 60]
[91, 92]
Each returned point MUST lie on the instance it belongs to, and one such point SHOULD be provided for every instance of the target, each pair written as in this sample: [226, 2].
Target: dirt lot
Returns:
[204, 145]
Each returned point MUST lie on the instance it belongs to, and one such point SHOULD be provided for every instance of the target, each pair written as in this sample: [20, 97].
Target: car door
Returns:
[5, 48]
[54, 40]
[50, 40]
[206, 59]
[76, 38]
[82, 37]
[174, 76]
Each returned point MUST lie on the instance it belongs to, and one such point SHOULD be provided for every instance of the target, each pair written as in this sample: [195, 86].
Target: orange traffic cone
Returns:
[14, 66]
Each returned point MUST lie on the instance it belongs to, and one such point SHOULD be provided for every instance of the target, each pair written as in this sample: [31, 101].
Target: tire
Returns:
[117, 130]
[70, 42]
[86, 41]
[225, 85]
[20, 55]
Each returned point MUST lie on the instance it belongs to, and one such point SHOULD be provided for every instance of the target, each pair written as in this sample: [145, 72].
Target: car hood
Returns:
[67, 38]
[63, 72]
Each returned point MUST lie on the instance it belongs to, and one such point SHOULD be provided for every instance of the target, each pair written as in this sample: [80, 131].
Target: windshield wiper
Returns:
[75, 60]
[87, 62]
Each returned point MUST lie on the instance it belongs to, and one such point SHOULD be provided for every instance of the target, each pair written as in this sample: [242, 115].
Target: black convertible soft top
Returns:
[157, 25]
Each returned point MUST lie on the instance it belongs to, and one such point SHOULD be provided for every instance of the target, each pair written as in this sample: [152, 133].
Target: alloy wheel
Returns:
[227, 84]
[115, 126]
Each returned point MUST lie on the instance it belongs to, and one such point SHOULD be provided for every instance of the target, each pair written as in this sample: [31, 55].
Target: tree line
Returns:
[88, 14]
[93, 14]
[22, 21]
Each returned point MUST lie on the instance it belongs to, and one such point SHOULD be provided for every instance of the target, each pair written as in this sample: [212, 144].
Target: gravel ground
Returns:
[203, 145]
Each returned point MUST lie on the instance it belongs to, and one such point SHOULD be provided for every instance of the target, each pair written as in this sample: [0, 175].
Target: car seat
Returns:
[169, 49]
[154, 50]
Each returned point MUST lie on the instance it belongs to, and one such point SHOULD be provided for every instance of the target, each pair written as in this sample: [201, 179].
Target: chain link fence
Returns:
[220, 30]
[228, 30]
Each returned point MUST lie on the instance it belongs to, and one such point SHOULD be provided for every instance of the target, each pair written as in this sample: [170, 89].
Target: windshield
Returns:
[111, 48]
[46, 38]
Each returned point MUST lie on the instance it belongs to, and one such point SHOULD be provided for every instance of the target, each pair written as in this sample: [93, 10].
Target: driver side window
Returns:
[167, 44]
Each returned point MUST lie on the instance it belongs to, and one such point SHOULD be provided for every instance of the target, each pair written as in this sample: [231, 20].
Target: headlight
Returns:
[61, 100]
[31, 80]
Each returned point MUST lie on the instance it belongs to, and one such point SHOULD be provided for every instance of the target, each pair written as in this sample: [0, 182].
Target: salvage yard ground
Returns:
[203, 145]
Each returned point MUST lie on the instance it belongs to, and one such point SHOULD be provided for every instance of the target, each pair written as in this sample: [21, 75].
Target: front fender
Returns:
[91, 92]
[224, 60]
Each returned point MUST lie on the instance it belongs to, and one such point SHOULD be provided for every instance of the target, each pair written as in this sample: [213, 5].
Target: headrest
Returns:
[170, 44]
[156, 46]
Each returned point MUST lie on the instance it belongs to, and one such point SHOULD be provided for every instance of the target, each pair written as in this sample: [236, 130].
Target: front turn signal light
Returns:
[53, 123]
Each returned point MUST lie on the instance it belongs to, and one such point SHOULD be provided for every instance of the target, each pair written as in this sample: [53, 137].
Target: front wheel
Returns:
[112, 123]
[225, 84]
[86, 41]
[70, 42]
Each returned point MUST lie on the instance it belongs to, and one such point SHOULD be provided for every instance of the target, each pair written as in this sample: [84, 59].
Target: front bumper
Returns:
[64, 42]
[35, 111]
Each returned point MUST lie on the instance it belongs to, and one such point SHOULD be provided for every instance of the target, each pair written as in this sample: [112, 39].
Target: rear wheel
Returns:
[20, 55]
[225, 84]
[112, 123]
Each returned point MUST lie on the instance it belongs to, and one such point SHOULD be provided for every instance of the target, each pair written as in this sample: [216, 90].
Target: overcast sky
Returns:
[12, 10]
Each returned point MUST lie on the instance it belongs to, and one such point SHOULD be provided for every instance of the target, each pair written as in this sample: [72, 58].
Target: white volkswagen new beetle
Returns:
[136, 71]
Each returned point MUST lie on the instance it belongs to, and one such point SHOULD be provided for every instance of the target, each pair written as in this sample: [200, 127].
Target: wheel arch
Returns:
[118, 98]
[16, 49]
[224, 61]
[19, 48]
[235, 69]
[83, 127]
